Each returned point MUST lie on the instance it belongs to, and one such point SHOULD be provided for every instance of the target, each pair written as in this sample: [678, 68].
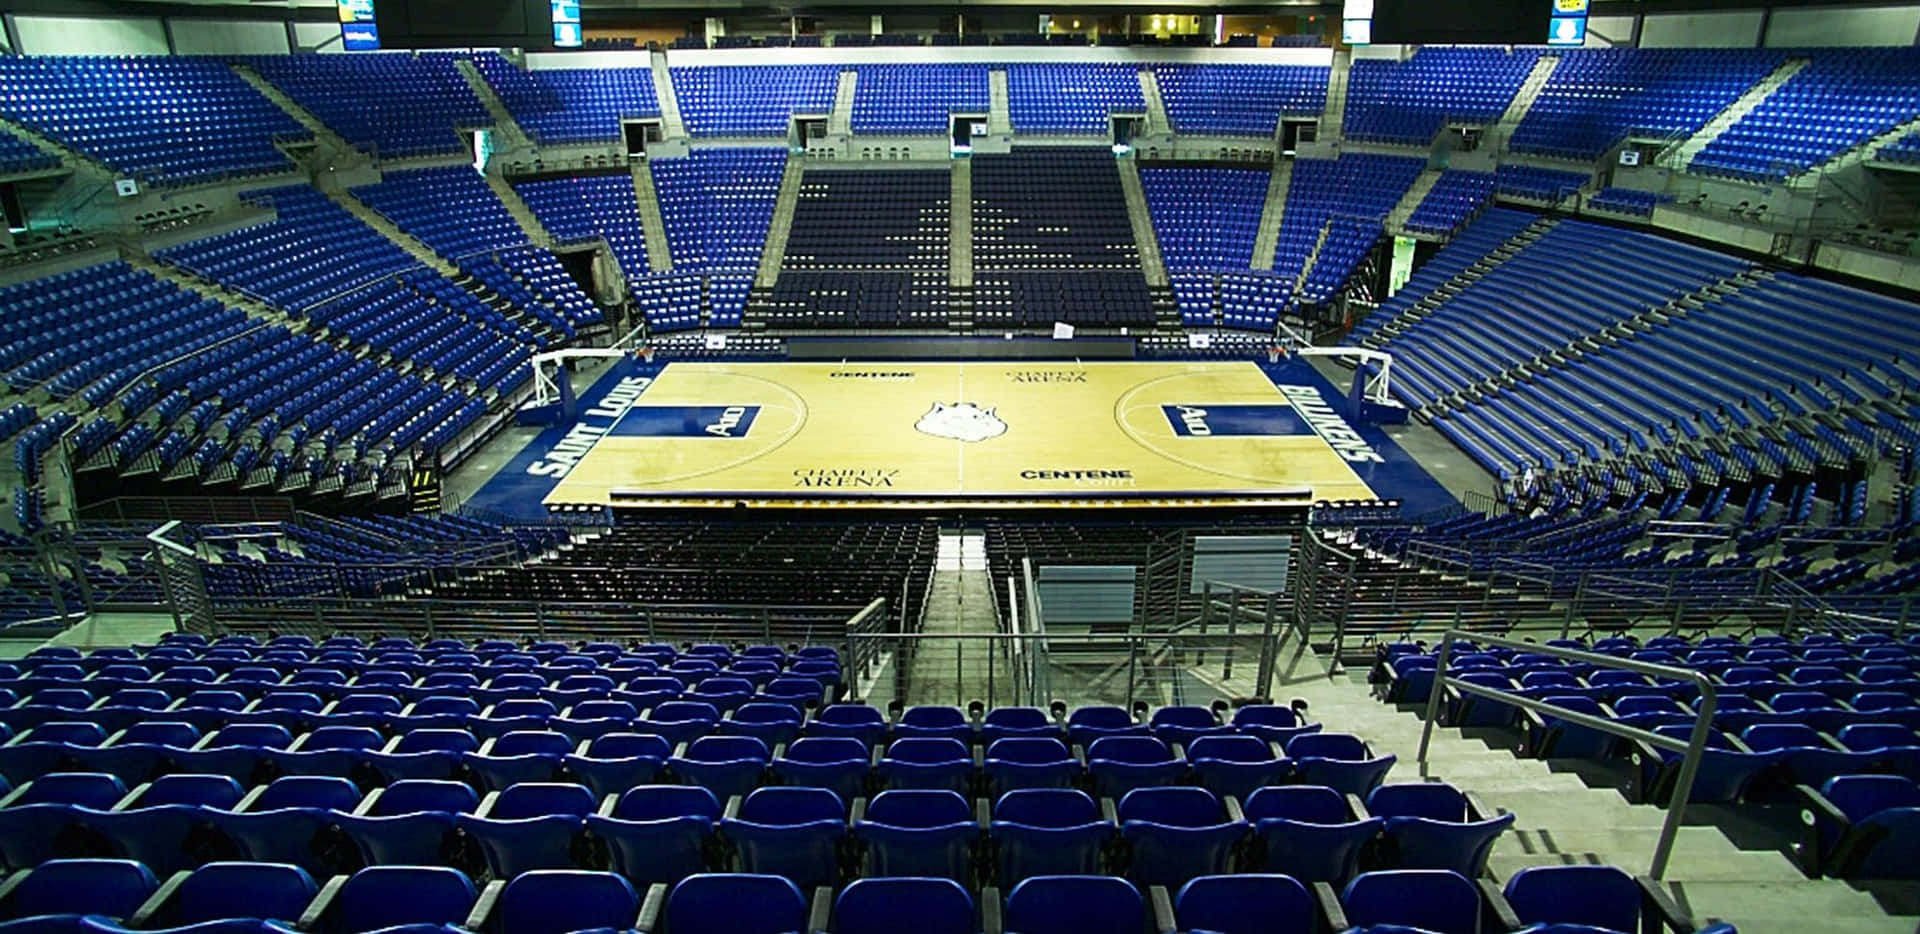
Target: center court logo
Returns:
[961, 421]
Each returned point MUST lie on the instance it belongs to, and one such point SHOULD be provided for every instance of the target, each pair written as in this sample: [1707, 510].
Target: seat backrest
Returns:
[96, 790]
[1341, 746]
[384, 896]
[446, 704]
[1173, 806]
[276, 891]
[764, 712]
[1229, 749]
[849, 715]
[736, 903]
[629, 746]
[1100, 716]
[1020, 718]
[1265, 715]
[160, 733]
[1135, 750]
[523, 707]
[111, 887]
[437, 741]
[792, 805]
[1184, 715]
[412, 795]
[1244, 903]
[1766, 736]
[1046, 807]
[1862, 796]
[343, 737]
[658, 802]
[308, 791]
[1431, 800]
[542, 799]
[822, 749]
[256, 735]
[1074, 905]
[1863, 736]
[602, 709]
[1437, 899]
[1601, 896]
[296, 701]
[928, 750]
[1311, 804]
[532, 743]
[1802, 700]
[919, 808]
[930, 716]
[1631, 704]
[1028, 750]
[71, 732]
[882, 906]
[214, 791]
[556, 901]
[727, 749]
[680, 711]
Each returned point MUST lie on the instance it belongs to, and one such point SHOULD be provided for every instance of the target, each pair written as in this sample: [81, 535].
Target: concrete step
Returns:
[1700, 854]
[1768, 907]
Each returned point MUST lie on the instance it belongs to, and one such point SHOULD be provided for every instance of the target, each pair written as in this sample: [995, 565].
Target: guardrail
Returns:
[1691, 750]
[468, 619]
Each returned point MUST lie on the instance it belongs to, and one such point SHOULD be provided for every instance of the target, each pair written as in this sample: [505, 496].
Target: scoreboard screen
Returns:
[1479, 22]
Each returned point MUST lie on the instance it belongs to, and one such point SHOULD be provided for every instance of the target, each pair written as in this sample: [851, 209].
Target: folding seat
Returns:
[658, 833]
[1184, 724]
[425, 754]
[772, 724]
[51, 747]
[1236, 765]
[838, 763]
[1087, 724]
[926, 762]
[1119, 764]
[409, 822]
[1600, 897]
[294, 710]
[1244, 903]
[1174, 834]
[1432, 825]
[534, 825]
[934, 722]
[575, 688]
[372, 710]
[1428, 899]
[222, 890]
[511, 686]
[1727, 768]
[516, 757]
[740, 903]
[692, 671]
[1815, 709]
[917, 832]
[614, 762]
[798, 833]
[679, 721]
[221, 792]
[511, 715]
[591, 718]
[758, 672]
[1272, 722]
[57, 892]
[858, 721]
[436, 712]
[1308, 832]
[725, 765]
[1075, 905]
[291, 821]
[96, 790]
[1048, 831]
[1338, 761]
[1029, 762]
[1018, 722]
[380, 897]
[1808, 757]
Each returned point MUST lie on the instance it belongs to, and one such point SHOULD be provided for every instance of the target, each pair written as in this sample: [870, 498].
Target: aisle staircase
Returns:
[330, 149]
[1333, 118]
[653, 224]
[1157, 120]
[670, 123]
[960, 225]
[782, 225]
[1141, 219]
[511, 136]
[1410, 202]
[536, 232]
[998, 121]
[840, 118]
[1267, 240]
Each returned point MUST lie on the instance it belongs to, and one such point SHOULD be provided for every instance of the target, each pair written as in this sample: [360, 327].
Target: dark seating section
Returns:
[161, 119]
[394, 104]
[1052, 241]
[312, 250]
[1597, 97]
[717, 204]
[752, 100]
[867, 248]
[1534, 183]
[1239, 100]
[1410, 101]
[1627, 201]
[19, 156]
[917, 100]
[570, 105]
[1205, 219]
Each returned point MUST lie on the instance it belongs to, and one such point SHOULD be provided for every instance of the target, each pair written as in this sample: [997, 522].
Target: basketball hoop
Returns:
[1275, 353]
[643, 353]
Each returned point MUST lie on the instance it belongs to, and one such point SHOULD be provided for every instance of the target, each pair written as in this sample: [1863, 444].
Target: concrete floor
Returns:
[472, 474]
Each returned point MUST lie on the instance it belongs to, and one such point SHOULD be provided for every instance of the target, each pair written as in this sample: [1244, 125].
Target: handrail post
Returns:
[1433, 699]
[1689, 768]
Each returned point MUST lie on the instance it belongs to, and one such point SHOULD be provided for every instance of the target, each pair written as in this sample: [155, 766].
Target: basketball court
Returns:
[921, 433]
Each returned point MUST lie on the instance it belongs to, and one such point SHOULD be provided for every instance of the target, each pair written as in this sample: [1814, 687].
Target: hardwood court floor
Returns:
[963, 429]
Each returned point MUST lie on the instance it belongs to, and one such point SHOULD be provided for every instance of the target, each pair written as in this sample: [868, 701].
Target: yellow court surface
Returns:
[957, 430]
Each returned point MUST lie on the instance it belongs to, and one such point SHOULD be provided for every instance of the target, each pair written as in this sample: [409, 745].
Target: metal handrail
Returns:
[1691, 750]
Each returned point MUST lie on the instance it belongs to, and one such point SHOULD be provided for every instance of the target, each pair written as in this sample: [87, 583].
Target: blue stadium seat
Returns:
[36, 899]
[388, 896]
[220, 890]
[614, 762]
[1119, 764]
[877, 906]
[1075, 905]
[658, 833]
[838, 763]
[409, 822]
[1029, 762]
[725, 765]
[529, 826]
[1236, 765]
[1048, 832]
[1432, 825]
[736, 903]
[1176, 834]
[560, 901]
[1338, 761]
[1246, 903]
[927, 762]
[1308, 832]
[798, 833]
[918, 832]
[1427, 899]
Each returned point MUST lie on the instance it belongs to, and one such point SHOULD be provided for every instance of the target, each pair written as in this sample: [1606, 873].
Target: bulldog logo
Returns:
[961, 421]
